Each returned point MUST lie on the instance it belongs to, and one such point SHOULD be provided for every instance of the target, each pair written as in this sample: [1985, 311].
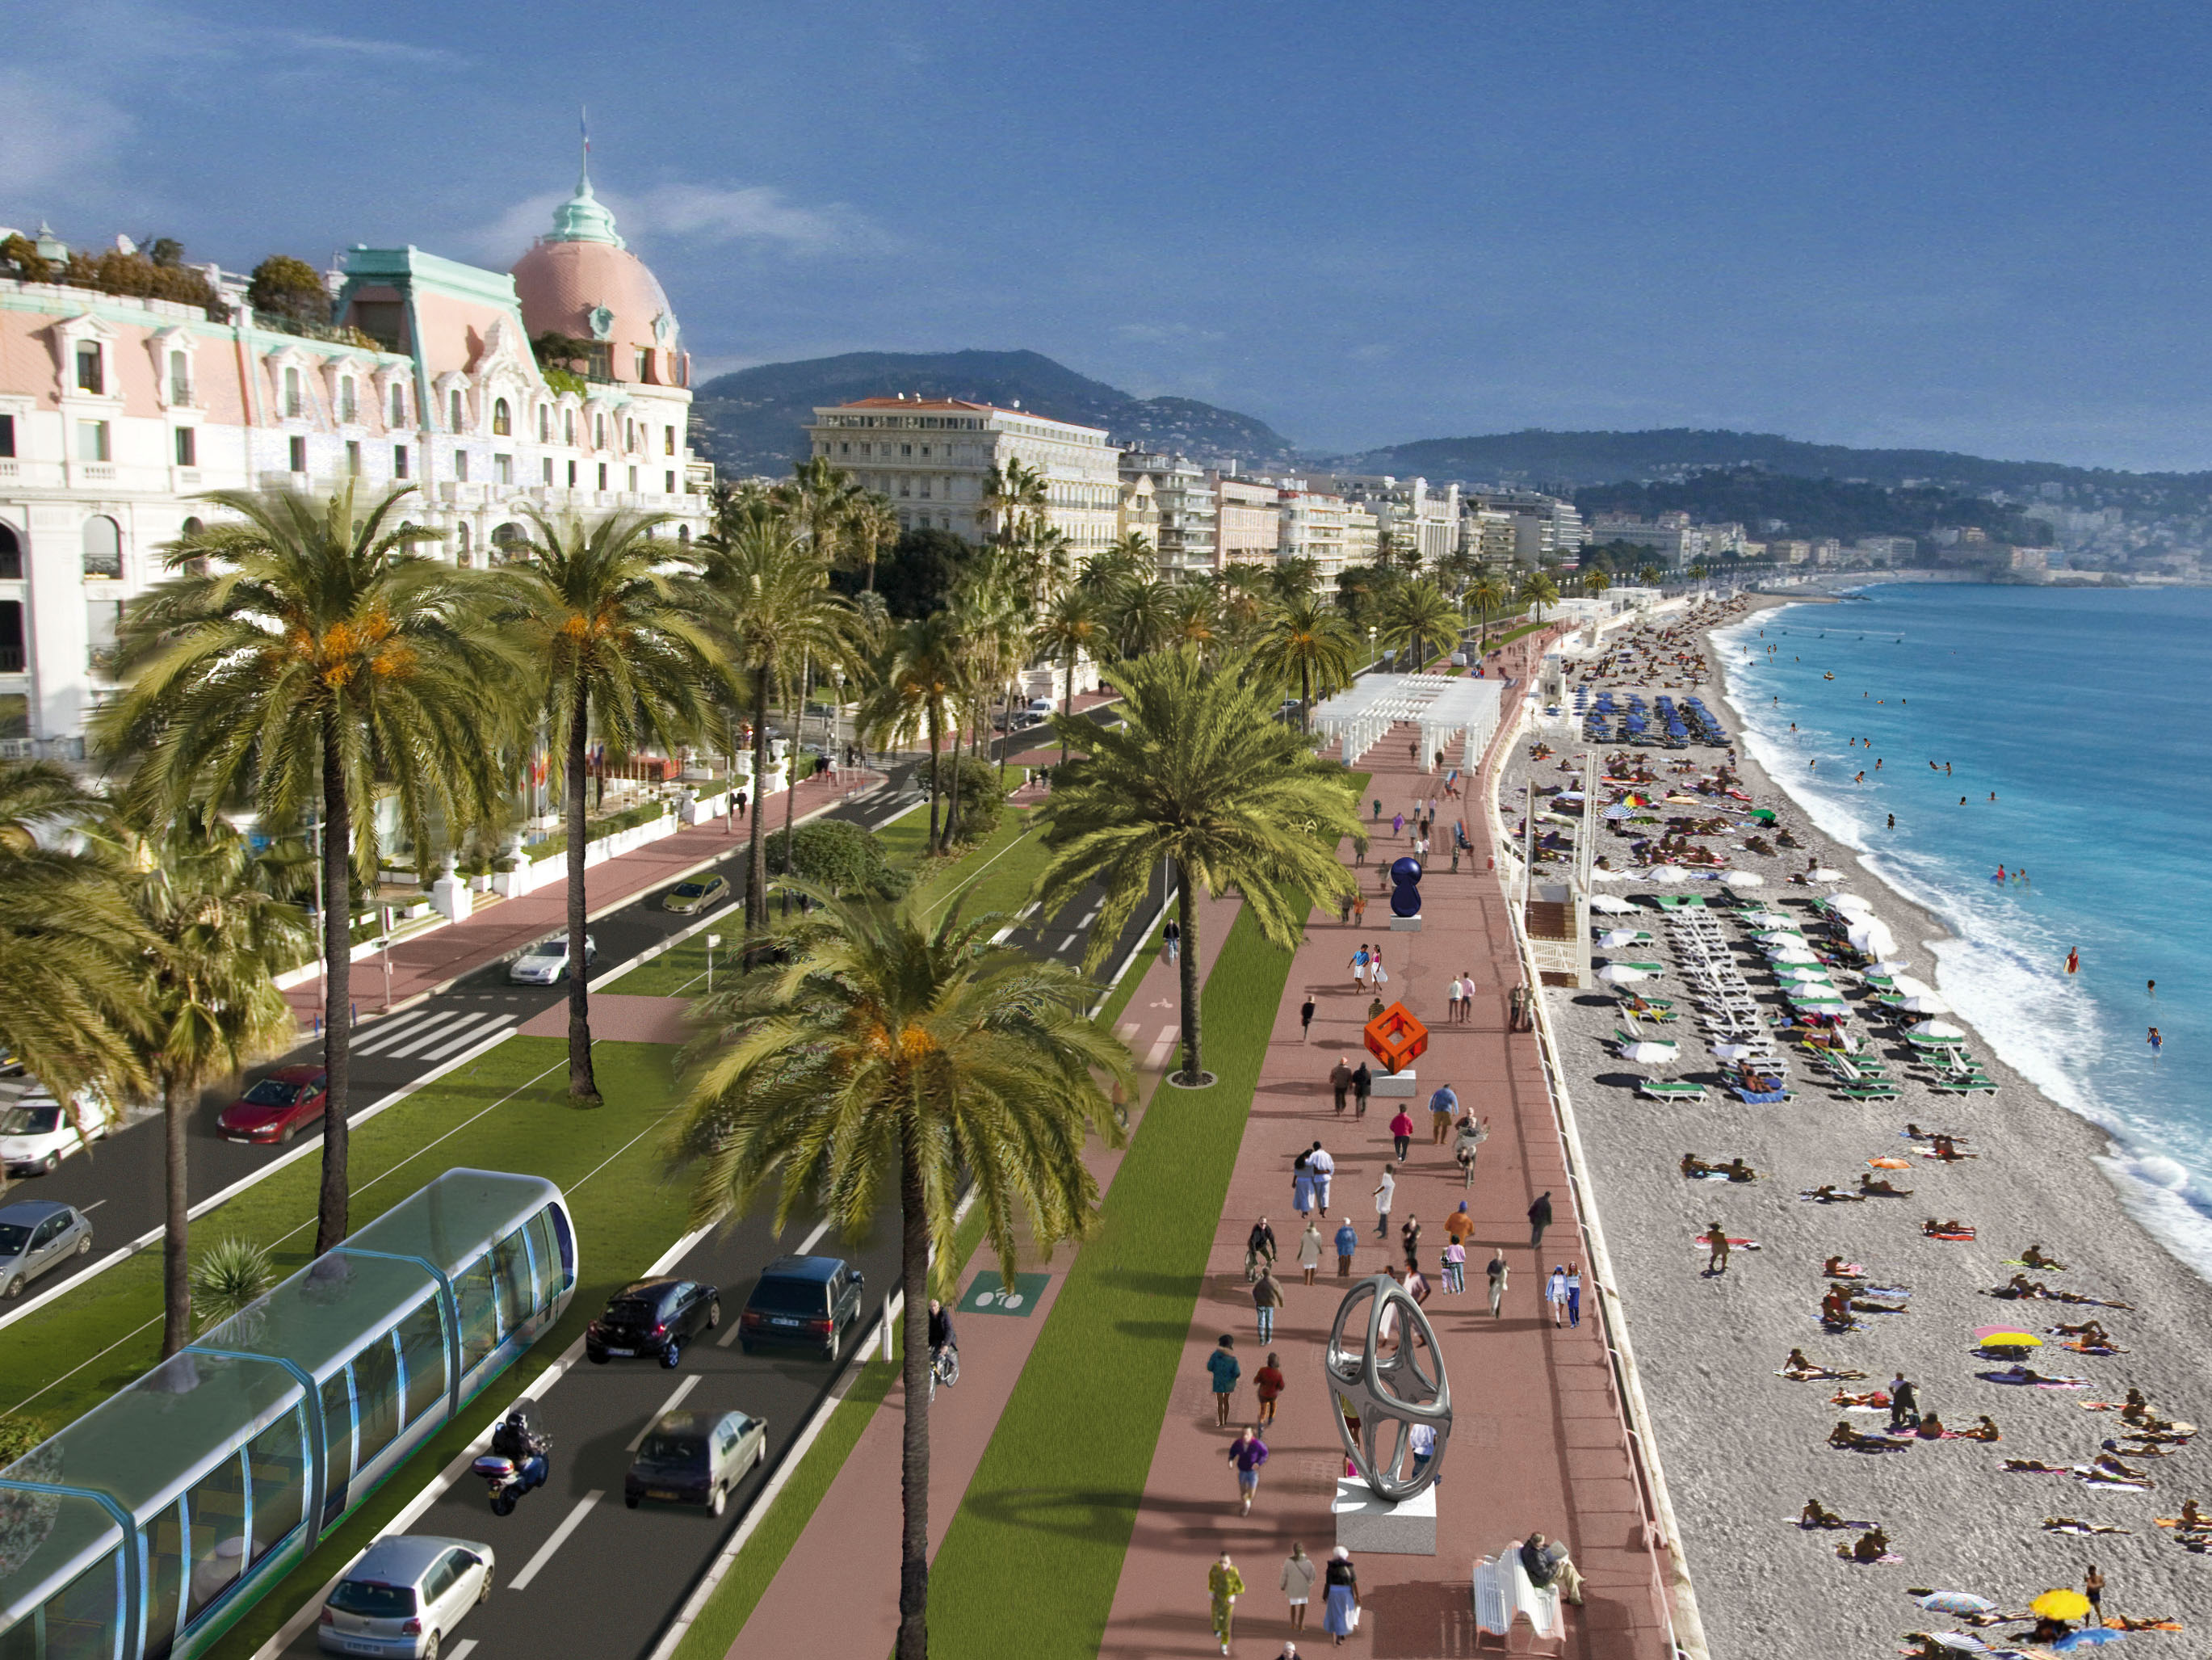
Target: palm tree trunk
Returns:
[1305, 697]
[1068, 705]
[914, 1459]
[582, 1087]
[1194, 1072]
[337, 992]
[176, 1239]
[936, 737]
[757, 853]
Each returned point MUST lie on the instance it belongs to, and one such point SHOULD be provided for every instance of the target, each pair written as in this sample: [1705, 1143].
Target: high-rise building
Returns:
[1417, 520]
[1188, 535]
[933, 458]
[1247, 524]
[118, 412]
[1544, 527]
[1312, 528]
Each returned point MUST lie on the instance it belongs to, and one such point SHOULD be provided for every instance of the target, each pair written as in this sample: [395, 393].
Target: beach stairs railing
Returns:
[1504, 1594]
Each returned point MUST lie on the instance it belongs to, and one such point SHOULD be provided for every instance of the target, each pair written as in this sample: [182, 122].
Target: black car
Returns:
[655, 1317]
[803, 1302]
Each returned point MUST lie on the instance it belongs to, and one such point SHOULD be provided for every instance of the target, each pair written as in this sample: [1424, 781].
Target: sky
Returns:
[1967, 226]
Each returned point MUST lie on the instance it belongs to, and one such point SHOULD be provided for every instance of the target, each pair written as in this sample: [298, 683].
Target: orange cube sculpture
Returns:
[1395, 1039]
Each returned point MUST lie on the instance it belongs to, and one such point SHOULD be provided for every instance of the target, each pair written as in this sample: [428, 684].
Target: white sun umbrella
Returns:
[1872, 936]
[1612, 875]
[1618, 938]
[1744, 878]
[1907, 986]
[1651, 1052]
[1925, 1004]
[1803, 971]
[1889, 965]
[1792, 954]
[1824, 874]
[1849, 902]
[1780, 937]
[1622, 973]
[1737, 1051]
[1612, 904]
[1773, 919]
[1667, 876]
[1937, 1029]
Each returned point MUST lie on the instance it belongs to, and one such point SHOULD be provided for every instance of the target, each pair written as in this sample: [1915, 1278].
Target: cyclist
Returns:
[942, 1343]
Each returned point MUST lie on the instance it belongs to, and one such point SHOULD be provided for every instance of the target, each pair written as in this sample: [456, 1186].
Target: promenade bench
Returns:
[1503, 1592]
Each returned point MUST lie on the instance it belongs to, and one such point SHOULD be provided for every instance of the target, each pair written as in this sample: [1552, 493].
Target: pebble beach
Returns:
[1743, 1449]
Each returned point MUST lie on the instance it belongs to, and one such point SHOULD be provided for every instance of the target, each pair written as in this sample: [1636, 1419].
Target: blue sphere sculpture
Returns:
[1406, 887]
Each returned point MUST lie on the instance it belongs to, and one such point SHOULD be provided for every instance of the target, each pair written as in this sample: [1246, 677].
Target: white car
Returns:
[36, 1132]
[546, 961]
[405, 1596]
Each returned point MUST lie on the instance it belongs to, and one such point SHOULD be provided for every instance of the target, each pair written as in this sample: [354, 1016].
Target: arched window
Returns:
[506, 539]
[503, 420]
[461, 543]
[198, 566]
[544, 424]
[11, 556]
[103, 547]
[683, 534]
[193, 527]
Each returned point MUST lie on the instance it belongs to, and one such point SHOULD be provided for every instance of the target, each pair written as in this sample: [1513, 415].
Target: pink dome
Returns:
[582, 282]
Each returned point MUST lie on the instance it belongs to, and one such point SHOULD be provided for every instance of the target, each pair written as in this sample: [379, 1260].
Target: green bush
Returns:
[981, 803]
[18, 1435]
[843, 858]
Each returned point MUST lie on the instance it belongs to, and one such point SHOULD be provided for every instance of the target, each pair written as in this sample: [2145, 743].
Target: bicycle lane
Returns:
[847, 1556]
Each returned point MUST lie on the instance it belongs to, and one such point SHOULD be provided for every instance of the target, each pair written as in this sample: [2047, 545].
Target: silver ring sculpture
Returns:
[1395, 1381]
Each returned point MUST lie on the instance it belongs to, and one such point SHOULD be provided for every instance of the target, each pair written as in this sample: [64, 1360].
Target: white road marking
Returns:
[805, 1246]
[499, 1023]
[1066, 943]
[560, 1537]
[391, 1030]
[1158, 1057]
[462, 1649]
[666, 1406]
[1089, 918]
[1126, 1032]
[437, 1032]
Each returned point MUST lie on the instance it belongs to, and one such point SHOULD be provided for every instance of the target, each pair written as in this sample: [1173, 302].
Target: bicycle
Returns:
[943, 1367]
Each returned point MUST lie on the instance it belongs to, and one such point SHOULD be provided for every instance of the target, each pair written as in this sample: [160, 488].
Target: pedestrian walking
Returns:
[1574, 1294]
[1339, 1080]
[1421, 1442]
[1266, 1297]
[1385, 1190]
[1416, 1284]
[1443, 1105]
[1246, 1453]
[1451, 1001]
[1259, 1249]
[1221, 1365]
[1309, 1251]
[1467, 1147]
[741, 804]
[1267, 1381]
[1347, 1241]
[1904, 1404]
[1359, 905]
[1555, 1293]
[1302, 1183]
[1409, 1240]
[1458, 1226]
[1498, 1272]
[1224, 1585]
[1402, 1131]
[2092, 1587]
[1305, 1018]
[1376, 971]
[1540, 1218]
[1397, 823]
[1717, 1244]
[1324, 1171]
[1340, 1613]
[1298, 1580]
[1173, 935]
[1362, 1080]
[1454, 1261]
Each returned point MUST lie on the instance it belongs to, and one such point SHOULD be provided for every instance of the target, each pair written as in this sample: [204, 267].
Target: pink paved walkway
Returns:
[432, 961]
[849, 1554]
[1537, 1441]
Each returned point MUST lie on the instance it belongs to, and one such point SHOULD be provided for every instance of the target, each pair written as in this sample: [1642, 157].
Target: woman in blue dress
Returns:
[1302, 1186]
[1341, 1607]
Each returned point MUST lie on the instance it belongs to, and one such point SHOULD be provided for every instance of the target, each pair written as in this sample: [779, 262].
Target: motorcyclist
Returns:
[522, 1437]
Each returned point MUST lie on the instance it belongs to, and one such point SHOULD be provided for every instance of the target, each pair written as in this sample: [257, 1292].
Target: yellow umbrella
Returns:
[2060, 1605]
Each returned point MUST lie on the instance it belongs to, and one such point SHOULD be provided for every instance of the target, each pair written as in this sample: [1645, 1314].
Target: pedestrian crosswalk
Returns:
[1131, 1033]
[432, 1034]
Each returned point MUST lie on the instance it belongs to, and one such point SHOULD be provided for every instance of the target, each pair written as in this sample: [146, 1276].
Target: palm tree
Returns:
[1240, 597]
[1420, 614]
[899, 1057]
[1307, 643]
[1488, 594]
[920, 685]
[1538, 589]
[773, 590]
[1134, 550]
[820, 497]
[66, 928]
[873, 524]
[1139, 617]
[1294, 578]
[319, 660]
[1195, 618]
[1651, 576]
[1199, 773]
[1013, 499]
[611, 619]
[1073, 627]
[1458, 568]
[215, 942]
[1596, 580]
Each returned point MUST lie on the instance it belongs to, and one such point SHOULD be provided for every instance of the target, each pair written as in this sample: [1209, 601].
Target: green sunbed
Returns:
[1682, 1090]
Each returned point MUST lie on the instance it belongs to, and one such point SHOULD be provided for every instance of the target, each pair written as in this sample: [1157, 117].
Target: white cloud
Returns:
[53, 136]
[1166, 334]
[313, 43]
[757, 214]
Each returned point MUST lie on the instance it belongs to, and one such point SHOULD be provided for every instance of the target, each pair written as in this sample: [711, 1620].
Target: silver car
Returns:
[37, 1236]
[547, 962]
[405, 1596]
[695, 1458]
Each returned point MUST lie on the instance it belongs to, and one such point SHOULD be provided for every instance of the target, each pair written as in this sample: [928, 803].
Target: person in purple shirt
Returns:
[1246, 1453]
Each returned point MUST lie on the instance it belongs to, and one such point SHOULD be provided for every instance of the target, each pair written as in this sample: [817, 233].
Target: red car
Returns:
[275, 1109]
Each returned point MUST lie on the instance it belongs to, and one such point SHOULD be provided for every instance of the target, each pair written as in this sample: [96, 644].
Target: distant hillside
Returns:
[1762, 501]
[749, 420]
[1574, 460]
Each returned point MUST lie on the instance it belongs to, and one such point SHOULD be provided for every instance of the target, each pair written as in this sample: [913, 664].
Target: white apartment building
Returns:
[117, 413]
[1887, 550]
[1492, 535]
[1312, 527]
[1363, 534]
[1410, 512]
[1184, 509]
[1544, 527]
[1248, 526]
[934, 457]
[1671, 545]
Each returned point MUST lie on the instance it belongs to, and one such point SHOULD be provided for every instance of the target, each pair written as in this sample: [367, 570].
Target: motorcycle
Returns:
[522, 1448]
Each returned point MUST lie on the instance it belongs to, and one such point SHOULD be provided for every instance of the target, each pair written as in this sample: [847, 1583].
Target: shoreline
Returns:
[1743, 1449]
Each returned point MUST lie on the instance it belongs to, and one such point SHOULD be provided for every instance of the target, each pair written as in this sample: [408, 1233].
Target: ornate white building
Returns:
[117, 412]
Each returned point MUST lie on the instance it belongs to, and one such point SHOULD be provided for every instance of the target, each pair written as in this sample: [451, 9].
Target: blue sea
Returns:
[2087, 715]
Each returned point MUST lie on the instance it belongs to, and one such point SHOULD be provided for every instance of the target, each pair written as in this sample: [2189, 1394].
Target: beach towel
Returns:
[2067, 1524]
[1967, 1237]
[2095, 1478]
[1885, 1559]
[1700, 1243]
[2041, 1383]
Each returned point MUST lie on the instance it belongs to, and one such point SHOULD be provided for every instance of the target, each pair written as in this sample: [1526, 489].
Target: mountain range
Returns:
[749, 423]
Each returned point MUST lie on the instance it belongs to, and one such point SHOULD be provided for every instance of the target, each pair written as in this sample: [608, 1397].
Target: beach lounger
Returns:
[1868, 1092]
[1677, 1090]
[1503, 1593]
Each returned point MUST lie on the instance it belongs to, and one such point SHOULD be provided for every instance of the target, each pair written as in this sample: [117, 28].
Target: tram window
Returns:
[165, 1574]
[278, 1462]
[566, 1241]
[510, 1262]
[479, 1316]
[422, 1345]
[376, 1397]
[218, 1509]
[337, 1435]
[545, 1259]
[80, 1621]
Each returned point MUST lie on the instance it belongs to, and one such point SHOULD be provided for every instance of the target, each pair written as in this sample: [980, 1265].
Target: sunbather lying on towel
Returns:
[2076, 1298]
[1826, 1193]
[2107, 1467]
[2089, 1331]
[1836, 1268]
[2019, 1286]
[1817, 1515]
[1740, 1172]
[1950, 1230]
[1872, 1188]
[1913, 1132]
[1948, 1150]
[1868, 1399]
[2073, 1525]
[2191, 1519]
[2134, 1622]
[1694, 1167]
[1804, 1371]
[2032, 1257]
[2034, 1467]
[1851, 1440]
[2018, 1374]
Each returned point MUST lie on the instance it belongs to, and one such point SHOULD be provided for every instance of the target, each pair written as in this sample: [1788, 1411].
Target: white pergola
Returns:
[1443, 706]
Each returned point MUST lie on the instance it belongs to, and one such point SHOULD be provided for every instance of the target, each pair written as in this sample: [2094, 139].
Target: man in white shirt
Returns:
[1384, 1191]
[1421, 1441]
[1321, 1168]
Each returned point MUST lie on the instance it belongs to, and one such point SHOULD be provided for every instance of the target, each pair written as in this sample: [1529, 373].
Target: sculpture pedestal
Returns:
[1390, 1083]
[1405, 924]
[1364, 1522]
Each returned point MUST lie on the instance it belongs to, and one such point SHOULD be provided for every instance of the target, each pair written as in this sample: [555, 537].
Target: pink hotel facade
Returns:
[116, 413]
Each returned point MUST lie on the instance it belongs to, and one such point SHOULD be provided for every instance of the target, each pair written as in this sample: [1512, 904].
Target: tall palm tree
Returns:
[1596, 580]
[821, 497]
[1420, 615]
[1196, 619]
[214, 941]
[1651, 576]
[1013, 499]
[1307, 643]
[1488, 594]
[894, 1060]
[873, 524]
[65, 928]
[1538, 589]
[920, 686]
[319, 660]
[1073, 627]
[772, 591]
[611, 619]
[1199, 773]
[1295, 578]
[1139, 617]
[1133, 551]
